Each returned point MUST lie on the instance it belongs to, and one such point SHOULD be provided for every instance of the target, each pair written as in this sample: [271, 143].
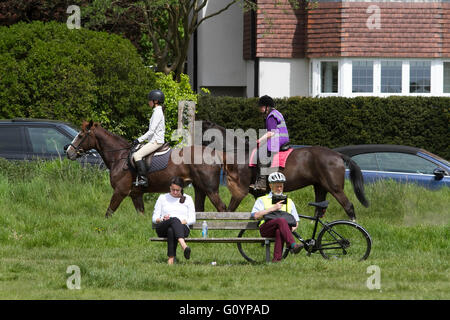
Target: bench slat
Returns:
[223, 216]
[221, 240]
[225, 225]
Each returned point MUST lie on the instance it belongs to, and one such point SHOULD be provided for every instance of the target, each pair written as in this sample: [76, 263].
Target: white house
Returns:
[336, 48]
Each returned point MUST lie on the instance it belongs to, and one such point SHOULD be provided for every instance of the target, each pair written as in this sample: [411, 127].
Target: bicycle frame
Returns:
[310, 243]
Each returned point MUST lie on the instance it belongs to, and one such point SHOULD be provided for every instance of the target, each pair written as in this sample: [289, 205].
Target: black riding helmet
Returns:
[266, 101]
[157, 95]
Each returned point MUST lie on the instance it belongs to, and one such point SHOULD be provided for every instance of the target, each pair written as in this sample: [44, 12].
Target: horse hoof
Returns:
[109, 213]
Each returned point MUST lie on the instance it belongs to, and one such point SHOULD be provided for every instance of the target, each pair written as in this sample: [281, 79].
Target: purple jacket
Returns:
[275, 121]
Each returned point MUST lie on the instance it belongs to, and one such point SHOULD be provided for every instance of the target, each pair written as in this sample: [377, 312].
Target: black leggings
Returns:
[173, 229]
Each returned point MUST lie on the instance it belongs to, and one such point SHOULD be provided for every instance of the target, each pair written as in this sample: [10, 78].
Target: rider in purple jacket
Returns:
[271, 142]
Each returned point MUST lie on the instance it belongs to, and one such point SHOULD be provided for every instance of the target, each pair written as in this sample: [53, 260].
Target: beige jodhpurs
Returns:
[145, 150]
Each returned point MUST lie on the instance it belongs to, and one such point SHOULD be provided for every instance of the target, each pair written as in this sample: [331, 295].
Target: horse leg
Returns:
[320, 195]
[345, 203]
[138, 202]
[199, 199]
[237, 194]
[216, 201]
[116, 200]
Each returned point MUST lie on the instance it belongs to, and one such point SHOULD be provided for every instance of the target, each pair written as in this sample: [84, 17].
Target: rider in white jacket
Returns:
[154, 135]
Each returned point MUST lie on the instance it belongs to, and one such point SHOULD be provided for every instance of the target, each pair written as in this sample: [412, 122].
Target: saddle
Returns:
[278, 159]
[154, 161]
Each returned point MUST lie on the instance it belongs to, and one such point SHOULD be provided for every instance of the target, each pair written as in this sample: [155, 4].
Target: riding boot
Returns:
[261, 181]
[142, 171]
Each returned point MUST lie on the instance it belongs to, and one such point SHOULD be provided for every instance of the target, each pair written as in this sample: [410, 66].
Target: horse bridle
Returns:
[80, 151]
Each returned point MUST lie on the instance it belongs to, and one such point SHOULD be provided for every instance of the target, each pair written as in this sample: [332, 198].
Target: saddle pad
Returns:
[159, 162]
[278, 160]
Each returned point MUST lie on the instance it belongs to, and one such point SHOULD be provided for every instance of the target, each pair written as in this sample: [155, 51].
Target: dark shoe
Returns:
[142, 171]
[187, 253]
[297, 248]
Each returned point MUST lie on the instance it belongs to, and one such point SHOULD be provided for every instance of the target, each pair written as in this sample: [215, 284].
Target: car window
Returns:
[11, 139]
[47, 140]
[367, 161]
[403, 162]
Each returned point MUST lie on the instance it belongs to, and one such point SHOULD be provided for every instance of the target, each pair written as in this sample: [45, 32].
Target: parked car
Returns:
[29, 139]
[399, 163]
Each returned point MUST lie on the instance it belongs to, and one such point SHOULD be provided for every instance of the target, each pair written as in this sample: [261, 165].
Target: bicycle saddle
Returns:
[322, 204]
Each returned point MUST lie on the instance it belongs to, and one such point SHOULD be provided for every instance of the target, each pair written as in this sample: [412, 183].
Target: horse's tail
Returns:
[227, 161]
[357, 179]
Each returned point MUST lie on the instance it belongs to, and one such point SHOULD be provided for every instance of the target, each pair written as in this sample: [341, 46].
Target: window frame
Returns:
[443, 77]
[30, 150]
[381, 76]
[338, 77]
[430, 78]
[345, 71]
[373, 76]
[24, 146]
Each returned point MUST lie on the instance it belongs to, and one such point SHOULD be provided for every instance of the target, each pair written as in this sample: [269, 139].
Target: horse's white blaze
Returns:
[71, 144]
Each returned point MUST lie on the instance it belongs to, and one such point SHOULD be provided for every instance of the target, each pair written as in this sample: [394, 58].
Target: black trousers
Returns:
[173, 229]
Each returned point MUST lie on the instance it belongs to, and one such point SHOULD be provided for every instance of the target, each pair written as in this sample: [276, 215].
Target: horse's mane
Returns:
[116, 137]
[206, 124]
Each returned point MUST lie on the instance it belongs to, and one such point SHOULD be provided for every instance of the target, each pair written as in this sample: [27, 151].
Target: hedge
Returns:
[49, 71]
[338, 121]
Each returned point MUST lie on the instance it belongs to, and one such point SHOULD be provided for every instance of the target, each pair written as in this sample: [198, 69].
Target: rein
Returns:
[78, 148]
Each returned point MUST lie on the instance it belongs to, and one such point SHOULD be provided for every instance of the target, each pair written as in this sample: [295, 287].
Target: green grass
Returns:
[52, 216]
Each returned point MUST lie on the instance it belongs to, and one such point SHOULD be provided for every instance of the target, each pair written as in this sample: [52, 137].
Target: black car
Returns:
[29, 139]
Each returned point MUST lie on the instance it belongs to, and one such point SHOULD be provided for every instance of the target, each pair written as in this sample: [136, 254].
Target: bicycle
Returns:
[340, 239]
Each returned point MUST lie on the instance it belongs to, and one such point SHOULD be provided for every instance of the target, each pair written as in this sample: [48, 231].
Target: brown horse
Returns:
[318, 166]
[114, 151]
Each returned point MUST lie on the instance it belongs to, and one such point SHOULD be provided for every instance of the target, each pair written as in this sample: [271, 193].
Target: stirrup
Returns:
[140, 182]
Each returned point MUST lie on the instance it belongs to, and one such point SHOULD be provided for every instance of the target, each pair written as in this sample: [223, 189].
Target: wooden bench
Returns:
[229, 221]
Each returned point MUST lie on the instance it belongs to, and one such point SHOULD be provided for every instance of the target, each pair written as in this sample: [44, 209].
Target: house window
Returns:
[391, 76]
[446, 77]
[329, 76]
[419, 77]
[362, 76]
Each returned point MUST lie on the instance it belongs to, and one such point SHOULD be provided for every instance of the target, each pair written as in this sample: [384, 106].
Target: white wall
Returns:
[220, 47]
[283, 77]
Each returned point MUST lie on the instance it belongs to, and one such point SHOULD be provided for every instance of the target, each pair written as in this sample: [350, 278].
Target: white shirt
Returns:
[166, 204]
[259, 206]
[156, 127]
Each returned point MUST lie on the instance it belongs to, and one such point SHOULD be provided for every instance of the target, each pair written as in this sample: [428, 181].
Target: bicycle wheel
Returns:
[251, 251]
[344, 240]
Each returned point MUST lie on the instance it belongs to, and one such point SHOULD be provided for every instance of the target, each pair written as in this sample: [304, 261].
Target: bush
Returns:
[338, 121]
[49, 71]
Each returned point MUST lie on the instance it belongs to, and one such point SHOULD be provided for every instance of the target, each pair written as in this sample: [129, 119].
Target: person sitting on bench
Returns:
[277, 228]
[173, 214]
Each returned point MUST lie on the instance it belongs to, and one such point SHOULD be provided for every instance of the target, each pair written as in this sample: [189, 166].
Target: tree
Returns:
[167, 25]
[50, 71]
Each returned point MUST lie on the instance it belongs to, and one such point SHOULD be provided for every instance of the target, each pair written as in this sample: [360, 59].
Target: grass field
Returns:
[52, 217]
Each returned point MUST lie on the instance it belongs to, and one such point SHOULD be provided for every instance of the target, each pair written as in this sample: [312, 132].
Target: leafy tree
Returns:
[49, 71]
[167, 25]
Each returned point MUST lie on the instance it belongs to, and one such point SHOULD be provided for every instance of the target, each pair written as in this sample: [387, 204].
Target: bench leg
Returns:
[267, 245]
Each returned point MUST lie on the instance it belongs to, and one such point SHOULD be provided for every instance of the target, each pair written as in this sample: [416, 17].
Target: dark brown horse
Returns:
[318, 166]
[114, 151]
